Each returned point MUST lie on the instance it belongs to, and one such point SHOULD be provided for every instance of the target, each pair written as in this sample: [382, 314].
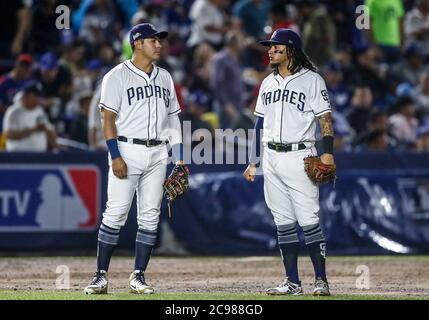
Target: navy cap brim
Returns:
[268, 43]
[160, 35]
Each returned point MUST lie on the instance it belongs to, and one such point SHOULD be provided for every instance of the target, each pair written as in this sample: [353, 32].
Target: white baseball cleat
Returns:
[99, 284]
[321, 288]
[286, 288]
[138, 284]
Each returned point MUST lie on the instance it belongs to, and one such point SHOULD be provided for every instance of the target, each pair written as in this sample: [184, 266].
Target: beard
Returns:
[274, 65]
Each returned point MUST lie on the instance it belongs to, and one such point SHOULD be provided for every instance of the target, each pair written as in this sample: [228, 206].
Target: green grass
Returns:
[74, 295]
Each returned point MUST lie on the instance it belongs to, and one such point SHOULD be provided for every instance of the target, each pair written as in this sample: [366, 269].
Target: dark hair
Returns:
[297, 60]
[373, 135]
[376, 115]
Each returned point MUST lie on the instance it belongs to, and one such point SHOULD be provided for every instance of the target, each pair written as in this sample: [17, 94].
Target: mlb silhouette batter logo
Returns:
[49, 198]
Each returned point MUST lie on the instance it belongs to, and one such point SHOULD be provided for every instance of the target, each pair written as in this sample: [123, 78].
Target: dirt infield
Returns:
[396, 276]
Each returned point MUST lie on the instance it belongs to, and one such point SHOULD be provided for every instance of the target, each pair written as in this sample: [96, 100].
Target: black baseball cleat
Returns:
[321, 288]
[99, 284]
[286, 288]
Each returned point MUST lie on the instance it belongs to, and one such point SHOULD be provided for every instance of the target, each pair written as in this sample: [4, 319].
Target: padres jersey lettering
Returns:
[142, 103]
[290, 106]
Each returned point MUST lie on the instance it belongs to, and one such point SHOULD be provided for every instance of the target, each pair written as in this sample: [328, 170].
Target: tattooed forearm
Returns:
[325, 121]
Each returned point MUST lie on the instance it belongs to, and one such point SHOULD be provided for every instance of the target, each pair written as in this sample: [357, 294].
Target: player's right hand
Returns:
[119, 167]
[250, 172]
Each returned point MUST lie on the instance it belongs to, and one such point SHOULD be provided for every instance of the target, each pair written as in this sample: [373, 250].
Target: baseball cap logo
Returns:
[136, 35]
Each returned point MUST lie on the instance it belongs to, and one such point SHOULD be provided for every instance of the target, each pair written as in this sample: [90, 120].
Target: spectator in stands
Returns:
[95, 130]
[361, 109]
[101, 23]
[416, 26]
[26, 125]
[87, 81]
[422, 144]
[57, 86]
[377, 140]
[208, 23]
[411, 68]
[366, 71]
[387, 27]
[251, 17]
[73, 57]
[197, 104]
[378, 120]
[45, 36]
[226, 80]
[339, 93]
[422, 97]
[14, 26]
[343, 131]
[403, 122]
[79, 125]
[319, 33]
[279, 19]
[12, 82]
[201, 68]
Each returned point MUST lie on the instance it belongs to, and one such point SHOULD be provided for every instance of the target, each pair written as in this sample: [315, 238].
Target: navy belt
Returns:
[147, 143]
[281, 147]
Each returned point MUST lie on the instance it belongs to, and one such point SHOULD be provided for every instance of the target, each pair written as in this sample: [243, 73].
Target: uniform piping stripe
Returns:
[312, 239]
[149, 244]
[322, 112]
[148, 125]
[288, 239]
[258, 114]
[283, 103]
[106, 107]
[174, 112]
[149, 235]
[107, 228]
[106, 237]
[156, 106]
[310, 228]
[110, 232]
[150, 232]
[286, 233]
[312, 232]
[104, 241]
[286, 227]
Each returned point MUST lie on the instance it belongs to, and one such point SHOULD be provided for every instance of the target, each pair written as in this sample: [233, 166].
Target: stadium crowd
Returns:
[377, 78]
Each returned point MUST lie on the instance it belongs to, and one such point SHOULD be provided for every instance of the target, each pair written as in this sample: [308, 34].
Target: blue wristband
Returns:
[112, 145]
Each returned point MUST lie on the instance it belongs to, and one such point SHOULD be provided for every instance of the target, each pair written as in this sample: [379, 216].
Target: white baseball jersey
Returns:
[19, 118]
[142, 103]
[290, 106]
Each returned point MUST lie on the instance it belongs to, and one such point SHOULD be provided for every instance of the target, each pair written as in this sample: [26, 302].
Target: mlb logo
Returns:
[49, 198]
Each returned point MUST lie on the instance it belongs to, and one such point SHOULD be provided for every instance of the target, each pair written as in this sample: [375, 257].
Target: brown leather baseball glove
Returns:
[319, 172]
[176, 184]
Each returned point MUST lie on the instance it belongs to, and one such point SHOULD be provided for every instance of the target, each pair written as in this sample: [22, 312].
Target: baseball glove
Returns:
[319, 172]
[176, 184]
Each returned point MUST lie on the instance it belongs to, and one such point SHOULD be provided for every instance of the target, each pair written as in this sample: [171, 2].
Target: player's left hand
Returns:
[326, 158]
[250, 172]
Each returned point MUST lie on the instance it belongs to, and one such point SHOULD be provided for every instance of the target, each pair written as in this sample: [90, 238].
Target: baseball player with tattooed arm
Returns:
[290, 100]
[140, 114]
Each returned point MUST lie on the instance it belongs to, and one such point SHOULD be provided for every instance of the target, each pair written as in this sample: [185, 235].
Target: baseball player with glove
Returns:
[140, 114]
[290, 100]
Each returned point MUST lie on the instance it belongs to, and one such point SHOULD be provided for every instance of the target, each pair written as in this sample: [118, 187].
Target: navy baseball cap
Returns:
[284, 36]
[145, 30]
